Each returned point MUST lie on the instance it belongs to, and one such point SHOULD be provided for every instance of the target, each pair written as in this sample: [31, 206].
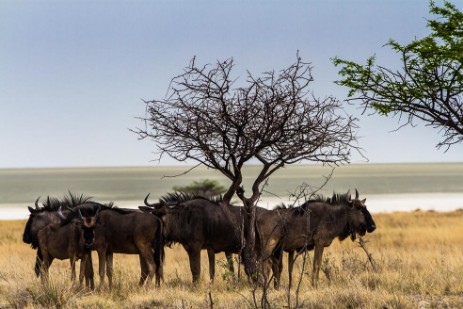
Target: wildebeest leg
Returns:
[89, 275]
[277, 267]
[101, 266]
[158, 261]
[230, 265]
[38, 262]
[211, 256]
[266, 259]
[72, 260]
[143, 270]
[109, 268]
[290, 267]
[146, 254]
[194, 255]
[46, 262]
[317, 261]
[83, 270]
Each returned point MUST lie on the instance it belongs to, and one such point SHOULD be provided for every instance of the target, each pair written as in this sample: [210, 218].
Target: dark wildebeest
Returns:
[313, 225]
[199, 223]
[72, 239]
[130, 232]
[42, 216]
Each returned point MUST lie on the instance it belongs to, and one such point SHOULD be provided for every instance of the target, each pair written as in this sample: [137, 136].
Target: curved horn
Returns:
[146, 201]
[356, 194]
[37, 203]
[80, 215]
[60, 214]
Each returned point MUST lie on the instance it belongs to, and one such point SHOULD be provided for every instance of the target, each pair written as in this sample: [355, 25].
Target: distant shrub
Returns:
[204, 187]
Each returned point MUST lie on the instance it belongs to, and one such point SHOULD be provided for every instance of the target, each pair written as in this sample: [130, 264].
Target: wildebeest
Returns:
[42, 216]
[313, 225]
[130, 232]
[199, 223]
[71, 239]
[122, 242]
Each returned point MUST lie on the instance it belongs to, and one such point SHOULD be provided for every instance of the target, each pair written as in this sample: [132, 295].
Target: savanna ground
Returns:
[418, 255]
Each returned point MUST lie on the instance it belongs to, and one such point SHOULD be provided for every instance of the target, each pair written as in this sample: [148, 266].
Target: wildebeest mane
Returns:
[180, 197]
[71, 200]
[335, 200]
[282, 206]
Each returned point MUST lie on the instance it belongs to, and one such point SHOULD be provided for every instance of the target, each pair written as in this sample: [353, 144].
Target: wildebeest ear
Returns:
[32, 210]
[364, 201]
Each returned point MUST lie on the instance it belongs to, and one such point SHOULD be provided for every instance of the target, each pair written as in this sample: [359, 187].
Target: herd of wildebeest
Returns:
[73, 226]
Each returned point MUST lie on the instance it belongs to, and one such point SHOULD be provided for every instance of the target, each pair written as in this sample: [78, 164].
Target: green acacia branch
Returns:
[429, 85]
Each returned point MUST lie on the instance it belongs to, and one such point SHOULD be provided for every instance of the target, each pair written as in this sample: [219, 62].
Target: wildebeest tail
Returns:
[158, 246]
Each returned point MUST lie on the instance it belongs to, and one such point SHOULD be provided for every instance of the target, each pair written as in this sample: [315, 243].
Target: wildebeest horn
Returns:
[60, 214]
[146, 201]
[97, 213]
[80, 215]
[37, 203]
[356, 194]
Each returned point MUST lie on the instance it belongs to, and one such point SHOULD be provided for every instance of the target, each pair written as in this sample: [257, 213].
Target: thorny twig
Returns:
[362, 244]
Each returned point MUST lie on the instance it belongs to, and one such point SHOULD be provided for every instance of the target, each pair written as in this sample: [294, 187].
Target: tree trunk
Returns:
[249, 253]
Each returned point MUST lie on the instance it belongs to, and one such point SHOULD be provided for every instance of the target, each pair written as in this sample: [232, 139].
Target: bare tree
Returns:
[273, 120]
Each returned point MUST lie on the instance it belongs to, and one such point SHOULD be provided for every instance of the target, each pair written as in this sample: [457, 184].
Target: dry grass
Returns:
[419, 257]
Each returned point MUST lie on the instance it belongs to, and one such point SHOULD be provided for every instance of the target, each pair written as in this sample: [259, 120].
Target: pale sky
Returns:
[73, 73]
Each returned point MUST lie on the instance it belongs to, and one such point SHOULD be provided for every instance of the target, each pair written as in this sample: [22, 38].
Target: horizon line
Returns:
[203, 166]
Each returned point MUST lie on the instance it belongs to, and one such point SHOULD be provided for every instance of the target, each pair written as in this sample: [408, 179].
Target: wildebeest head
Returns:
[85, 224]
[167, 205]
[360, 219]
[46, 214]
[39, 217]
